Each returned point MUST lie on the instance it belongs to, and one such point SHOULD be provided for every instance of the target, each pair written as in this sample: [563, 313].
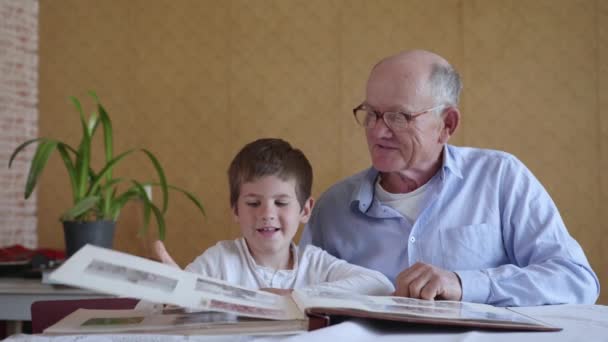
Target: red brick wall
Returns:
[18, 117]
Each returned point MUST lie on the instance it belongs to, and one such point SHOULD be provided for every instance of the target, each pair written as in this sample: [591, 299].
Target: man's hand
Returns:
[162, 255]
[426, 281]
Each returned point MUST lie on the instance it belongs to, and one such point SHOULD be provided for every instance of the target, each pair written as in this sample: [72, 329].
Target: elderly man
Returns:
[445, 222]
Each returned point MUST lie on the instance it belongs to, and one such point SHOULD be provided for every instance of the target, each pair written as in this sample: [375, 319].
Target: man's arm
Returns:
[545, 264]
[540, 263]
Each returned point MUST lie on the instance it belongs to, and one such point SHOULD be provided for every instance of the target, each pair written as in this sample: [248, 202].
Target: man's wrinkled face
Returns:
[416, 145]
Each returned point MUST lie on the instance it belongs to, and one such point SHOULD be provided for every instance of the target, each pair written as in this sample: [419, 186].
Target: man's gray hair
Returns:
[445, 84]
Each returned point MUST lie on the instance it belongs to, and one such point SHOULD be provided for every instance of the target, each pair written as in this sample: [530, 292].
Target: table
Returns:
[18, 294]
[579, 323]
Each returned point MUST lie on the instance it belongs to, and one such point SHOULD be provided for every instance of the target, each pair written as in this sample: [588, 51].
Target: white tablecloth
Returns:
[580, 323]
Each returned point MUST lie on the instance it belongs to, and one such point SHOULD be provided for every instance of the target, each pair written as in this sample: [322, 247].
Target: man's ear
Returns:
[451, 119]
[306, 210]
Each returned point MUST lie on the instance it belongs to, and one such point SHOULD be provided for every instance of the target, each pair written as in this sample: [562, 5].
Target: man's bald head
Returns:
[420, 59]
[424, 71]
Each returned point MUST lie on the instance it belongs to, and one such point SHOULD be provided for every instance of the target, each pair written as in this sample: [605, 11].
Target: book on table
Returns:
[203, 305]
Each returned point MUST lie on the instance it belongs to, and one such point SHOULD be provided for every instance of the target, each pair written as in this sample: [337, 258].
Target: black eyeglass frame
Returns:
[409, 117]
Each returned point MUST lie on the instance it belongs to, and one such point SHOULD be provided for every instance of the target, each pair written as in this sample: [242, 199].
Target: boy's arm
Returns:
[203, 264]
[337, 274]
[162, 255]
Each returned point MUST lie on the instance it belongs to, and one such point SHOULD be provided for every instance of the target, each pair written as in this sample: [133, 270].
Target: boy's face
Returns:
[269, 214]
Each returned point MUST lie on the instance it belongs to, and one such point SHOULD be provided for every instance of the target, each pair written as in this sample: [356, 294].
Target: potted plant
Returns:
[98, 196]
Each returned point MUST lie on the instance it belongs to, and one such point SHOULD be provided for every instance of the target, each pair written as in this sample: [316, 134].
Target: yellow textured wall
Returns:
[195, 80]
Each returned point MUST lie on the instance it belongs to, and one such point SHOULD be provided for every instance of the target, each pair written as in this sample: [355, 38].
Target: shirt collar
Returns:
[451, 162]
[293, 249]
[363, 197]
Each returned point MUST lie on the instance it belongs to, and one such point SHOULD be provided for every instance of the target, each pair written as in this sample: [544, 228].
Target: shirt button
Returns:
[412, 239]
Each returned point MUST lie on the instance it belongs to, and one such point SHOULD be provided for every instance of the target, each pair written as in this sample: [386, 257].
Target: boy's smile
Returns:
[269, 215]
[268, 231]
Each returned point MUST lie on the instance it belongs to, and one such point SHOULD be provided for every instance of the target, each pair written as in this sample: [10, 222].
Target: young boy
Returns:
[270, 196]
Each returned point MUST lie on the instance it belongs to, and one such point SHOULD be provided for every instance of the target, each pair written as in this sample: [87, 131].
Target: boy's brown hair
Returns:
[270, 157]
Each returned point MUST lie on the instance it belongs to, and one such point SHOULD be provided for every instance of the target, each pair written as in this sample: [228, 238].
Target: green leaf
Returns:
[191, 197]
[110, 184]
[108, 190]
[147, 204]
[67, 161]
[21, 147]
[81, 207]
[119, 202]
[109, 196]
[83, 161]
[107, 134]
[106, 202]
[94, 114]
[64, 151]
[93, 123]
[160, 221]
[94, 96]
[41, 157]
[96, 182]
[162, 179]
[78, 106]
[107, 130]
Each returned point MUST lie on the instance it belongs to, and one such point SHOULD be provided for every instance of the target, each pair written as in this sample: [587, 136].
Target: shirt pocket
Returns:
[472, 247]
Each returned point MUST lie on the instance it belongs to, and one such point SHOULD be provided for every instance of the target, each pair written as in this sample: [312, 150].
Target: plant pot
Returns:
[77, 234]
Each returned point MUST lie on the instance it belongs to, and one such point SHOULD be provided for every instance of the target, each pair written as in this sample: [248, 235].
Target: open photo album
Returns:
[203, 305]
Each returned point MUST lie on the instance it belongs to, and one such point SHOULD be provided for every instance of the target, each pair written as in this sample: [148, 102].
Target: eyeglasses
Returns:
[367, 117]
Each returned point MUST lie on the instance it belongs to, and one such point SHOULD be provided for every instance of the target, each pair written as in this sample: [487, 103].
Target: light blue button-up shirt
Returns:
[488, 219]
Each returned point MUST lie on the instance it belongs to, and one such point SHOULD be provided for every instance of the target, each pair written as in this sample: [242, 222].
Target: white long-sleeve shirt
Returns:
[313, 267]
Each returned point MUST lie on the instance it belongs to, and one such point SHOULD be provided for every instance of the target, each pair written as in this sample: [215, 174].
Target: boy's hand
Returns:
[162, 255]
[280, 292]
